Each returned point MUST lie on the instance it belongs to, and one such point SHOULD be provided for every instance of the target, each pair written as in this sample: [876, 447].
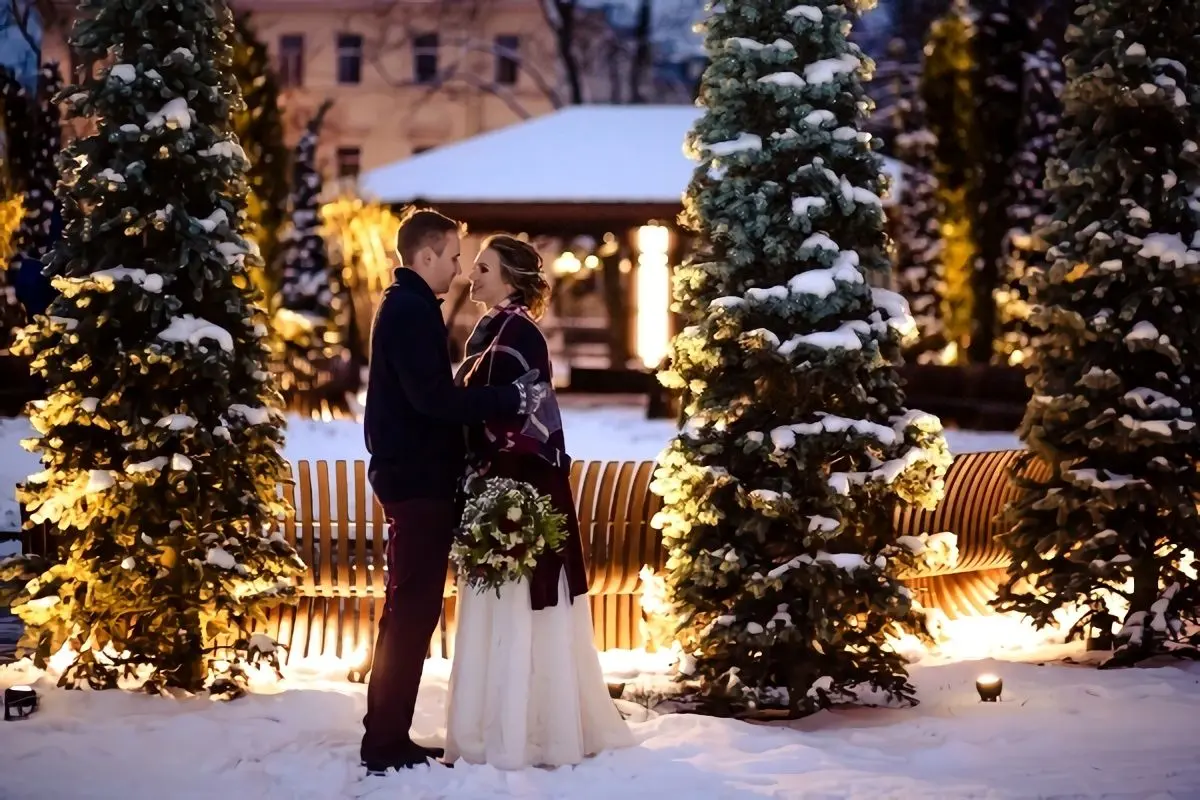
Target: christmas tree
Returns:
[312, 315]
[999, 41]
[947, 89]
[779, 490]
[39, 223]
[1115, 362]
[1029, 209]
[161, 448]
[259, 128]
[918, 253]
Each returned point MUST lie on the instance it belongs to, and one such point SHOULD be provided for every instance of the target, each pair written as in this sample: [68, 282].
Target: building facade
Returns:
[404, 75]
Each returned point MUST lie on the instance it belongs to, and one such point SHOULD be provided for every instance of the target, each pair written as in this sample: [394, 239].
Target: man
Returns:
[414, 429]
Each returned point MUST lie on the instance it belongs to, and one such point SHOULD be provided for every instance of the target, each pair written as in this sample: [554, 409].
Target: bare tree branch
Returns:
[21, 19]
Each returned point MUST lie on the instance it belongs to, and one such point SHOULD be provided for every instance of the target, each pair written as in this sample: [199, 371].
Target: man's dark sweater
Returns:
[415, 413]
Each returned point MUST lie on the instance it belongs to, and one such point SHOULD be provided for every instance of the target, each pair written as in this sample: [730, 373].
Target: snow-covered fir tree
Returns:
[796, 446]
[311, 313]
[1116, 357]
[35, 235]
[1029, 209]
[918, 247]
[259, 128]
[161, 449]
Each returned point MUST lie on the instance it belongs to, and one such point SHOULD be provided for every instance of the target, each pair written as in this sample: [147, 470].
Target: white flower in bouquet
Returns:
[506, 526]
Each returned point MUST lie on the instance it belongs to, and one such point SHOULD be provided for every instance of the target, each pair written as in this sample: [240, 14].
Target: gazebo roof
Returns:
[600, 164]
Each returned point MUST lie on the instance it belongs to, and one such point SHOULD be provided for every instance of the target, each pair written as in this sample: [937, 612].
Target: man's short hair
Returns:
[424, 227]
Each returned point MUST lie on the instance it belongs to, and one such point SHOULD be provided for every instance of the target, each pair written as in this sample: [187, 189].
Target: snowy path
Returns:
[1062, 731]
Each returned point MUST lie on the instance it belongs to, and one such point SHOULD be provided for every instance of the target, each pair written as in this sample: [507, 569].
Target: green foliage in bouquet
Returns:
[505, 527]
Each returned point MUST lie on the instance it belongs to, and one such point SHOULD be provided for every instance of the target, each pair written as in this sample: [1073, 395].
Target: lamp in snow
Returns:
[653, 295]
[989, 687]
[19, 702]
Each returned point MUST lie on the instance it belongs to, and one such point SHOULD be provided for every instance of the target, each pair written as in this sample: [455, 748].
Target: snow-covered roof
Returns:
[579, 154]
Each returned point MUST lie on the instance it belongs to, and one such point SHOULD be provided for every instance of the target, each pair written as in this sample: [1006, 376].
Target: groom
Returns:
[414, 430]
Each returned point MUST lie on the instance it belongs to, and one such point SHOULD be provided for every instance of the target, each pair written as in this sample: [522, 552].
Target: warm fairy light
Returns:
[653, 301]
[567, 264]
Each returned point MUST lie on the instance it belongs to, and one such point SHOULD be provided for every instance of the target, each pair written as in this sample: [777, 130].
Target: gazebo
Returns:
[603, 183]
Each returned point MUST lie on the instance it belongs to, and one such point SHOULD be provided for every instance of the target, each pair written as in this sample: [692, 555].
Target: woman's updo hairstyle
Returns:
[521, 267]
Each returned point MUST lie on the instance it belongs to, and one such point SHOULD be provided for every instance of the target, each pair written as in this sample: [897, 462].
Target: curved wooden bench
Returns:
[339, 530]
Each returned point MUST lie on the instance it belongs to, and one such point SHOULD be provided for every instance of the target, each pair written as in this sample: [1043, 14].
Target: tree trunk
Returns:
[640, 68]
[561, 16]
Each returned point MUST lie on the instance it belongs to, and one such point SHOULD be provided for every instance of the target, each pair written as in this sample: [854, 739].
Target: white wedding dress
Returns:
[526, 689]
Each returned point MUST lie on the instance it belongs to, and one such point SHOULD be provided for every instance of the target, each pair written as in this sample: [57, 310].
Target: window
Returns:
[291, 59]
[508, 59]
[349, 58]
[349, 162]
[425, 58]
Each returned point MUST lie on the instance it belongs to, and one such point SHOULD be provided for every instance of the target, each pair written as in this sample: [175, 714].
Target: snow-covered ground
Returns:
[1061, 731]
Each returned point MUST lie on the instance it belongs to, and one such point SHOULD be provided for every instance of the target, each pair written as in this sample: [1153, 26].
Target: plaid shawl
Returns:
[505, 344]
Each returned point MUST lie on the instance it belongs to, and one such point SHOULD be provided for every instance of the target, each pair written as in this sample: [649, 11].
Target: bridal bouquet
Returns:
[506, 525]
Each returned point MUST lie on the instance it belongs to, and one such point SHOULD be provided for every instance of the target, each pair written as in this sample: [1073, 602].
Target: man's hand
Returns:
[533, 395]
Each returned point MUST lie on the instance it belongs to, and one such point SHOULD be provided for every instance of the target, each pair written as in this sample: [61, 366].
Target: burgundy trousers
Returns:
[420, 534]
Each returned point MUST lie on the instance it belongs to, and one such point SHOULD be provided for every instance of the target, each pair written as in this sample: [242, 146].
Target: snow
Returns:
[220, 557]
[106, 278]
[177, 422]
[110, 175]
[1169, 249]
[125, 73]
[1142, 331]
[744, 142]
[174, 114]
[587, 154]
[826, 69]
[193, 330]
[784, 79]
[811, 13]
[1073, 731]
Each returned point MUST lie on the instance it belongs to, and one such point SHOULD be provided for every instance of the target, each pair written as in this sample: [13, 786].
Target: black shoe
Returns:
[431, 752]
[414, 755]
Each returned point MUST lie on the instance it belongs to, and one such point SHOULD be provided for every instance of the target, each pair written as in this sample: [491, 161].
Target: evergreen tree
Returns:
[313, 313]
[161, 448]
[259, 128]
[999, 41]
[947, 89]
[1116, 360]
[918, 250]
[1029, 209]
[779, 489]
[40, 221]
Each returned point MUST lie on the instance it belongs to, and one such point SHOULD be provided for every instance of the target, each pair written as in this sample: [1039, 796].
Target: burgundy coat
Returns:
[505, 345]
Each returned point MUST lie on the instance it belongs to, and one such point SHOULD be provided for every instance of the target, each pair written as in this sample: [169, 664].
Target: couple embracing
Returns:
[526, 687]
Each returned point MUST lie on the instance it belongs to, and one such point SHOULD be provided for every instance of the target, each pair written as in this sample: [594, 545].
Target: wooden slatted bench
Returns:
[339, 530]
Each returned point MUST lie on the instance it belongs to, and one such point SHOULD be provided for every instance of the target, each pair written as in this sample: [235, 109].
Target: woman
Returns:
[526, 687]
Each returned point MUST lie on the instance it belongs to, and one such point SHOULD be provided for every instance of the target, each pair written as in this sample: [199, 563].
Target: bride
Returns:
[526, 687]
